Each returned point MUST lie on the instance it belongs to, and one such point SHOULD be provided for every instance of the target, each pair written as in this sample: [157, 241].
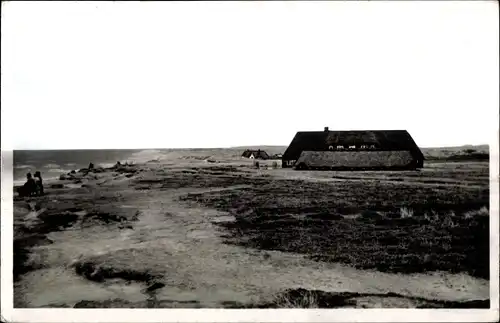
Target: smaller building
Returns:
[255, 154]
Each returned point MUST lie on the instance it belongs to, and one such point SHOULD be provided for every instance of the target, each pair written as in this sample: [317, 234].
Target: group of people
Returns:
[33, 185]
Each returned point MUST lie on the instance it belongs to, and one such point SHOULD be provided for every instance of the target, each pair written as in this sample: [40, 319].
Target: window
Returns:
[352, 147]
[330, 147]
[372, 146]
[340, 147]
[364, 146]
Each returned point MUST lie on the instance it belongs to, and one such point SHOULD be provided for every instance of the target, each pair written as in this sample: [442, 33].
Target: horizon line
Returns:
[230, 147]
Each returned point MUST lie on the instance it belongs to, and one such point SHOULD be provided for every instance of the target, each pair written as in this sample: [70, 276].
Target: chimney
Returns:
[326, 129]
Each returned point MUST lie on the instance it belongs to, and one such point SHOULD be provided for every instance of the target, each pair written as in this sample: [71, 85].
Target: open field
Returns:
[178, 231]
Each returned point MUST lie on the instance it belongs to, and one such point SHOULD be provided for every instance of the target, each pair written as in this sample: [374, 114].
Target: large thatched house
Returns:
[255, 154]
[355, 149]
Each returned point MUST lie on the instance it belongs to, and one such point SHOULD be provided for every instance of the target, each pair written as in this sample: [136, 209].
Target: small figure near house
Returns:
[39, 183]
[91, 166]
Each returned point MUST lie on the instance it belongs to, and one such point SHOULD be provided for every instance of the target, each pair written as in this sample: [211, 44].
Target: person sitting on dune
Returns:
[39, 183]
[29, 188]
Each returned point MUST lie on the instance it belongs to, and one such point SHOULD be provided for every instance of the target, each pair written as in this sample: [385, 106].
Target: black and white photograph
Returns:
[256, 161]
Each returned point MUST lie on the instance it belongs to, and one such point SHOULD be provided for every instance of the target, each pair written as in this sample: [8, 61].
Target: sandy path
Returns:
[185, 244]
[243, 271]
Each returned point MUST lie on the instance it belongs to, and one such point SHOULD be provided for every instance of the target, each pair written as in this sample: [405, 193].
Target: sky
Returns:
[79, 75]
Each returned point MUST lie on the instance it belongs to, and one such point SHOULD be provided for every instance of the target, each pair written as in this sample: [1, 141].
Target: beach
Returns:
[207, 228]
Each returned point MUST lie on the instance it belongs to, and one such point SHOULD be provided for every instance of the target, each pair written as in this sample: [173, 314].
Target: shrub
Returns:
[477, 213]
[275, 165]
[306, 300]
[406, 213]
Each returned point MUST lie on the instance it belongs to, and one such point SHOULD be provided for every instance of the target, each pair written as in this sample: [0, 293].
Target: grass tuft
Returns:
[305, 300]
[406, 212]
[482, 212]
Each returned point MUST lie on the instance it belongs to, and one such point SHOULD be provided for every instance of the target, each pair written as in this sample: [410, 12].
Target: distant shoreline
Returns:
[47, 160]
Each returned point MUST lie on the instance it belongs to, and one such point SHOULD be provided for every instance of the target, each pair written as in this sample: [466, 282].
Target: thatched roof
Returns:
[257, 154]
[356, 159]
[385, 140]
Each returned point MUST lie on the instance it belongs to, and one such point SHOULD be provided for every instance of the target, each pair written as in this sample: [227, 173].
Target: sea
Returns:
[53, 163]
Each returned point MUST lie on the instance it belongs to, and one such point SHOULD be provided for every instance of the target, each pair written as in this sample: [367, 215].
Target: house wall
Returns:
[336, 147]
[353, 159]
